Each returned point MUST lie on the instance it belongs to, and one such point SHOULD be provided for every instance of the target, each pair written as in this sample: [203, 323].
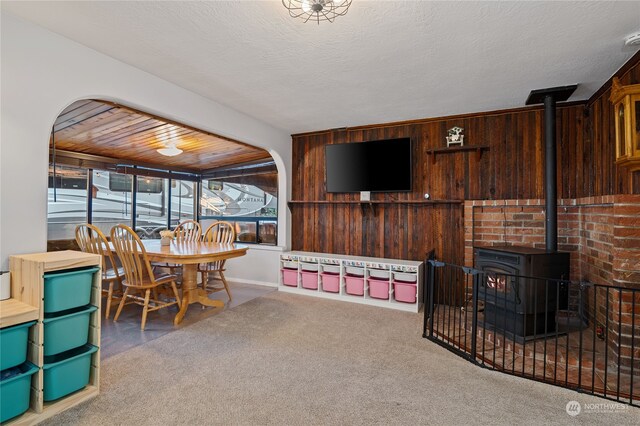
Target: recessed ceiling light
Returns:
[632, 39]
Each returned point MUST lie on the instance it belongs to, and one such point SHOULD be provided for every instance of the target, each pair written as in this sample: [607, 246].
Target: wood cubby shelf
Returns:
[477, 148]
[328, 275]
[13, 311]
[27, 304]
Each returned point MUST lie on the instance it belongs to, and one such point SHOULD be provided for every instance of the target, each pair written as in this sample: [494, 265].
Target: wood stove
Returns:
[519, 289]
[527, 306]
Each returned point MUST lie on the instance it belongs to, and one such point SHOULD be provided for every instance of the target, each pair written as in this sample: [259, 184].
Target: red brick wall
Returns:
[626, 241]
[596, 243]
[520, 222]
[601, 233]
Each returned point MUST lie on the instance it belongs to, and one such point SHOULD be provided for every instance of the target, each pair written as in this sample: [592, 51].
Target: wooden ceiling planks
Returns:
[110, 130]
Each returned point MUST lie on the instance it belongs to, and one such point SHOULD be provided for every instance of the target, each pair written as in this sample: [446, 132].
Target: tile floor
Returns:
[125, 334]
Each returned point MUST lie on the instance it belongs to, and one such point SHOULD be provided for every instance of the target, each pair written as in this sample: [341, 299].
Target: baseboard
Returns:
[254, 282]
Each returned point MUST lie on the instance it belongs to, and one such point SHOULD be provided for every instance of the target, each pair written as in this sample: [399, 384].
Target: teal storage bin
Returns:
[66, 331]
[68, 289]
[15, 388]
[13, 345]
[68, 372]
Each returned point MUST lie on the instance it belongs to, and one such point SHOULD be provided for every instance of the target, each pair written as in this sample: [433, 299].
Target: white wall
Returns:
[42, 73]
[264, 262]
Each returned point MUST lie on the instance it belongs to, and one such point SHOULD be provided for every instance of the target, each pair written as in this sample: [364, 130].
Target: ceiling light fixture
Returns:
[317, 10]
[169, 150]
[632, 39]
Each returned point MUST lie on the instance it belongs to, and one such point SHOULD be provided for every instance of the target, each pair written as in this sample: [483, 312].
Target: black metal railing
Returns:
[589, 342]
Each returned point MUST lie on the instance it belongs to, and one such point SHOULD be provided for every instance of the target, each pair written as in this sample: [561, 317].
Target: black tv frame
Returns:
[408, 139]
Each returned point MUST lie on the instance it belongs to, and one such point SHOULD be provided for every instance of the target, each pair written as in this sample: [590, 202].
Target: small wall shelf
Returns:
[418, 202]
[477, 148]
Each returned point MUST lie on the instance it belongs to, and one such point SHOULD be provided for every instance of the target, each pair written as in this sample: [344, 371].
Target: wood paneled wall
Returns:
[512, 168]
[599, 174]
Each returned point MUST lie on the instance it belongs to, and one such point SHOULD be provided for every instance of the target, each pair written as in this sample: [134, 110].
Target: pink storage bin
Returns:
[355, 285]
[405, 292]
[330, 282]
[309, 280]
[378, 288]
[290, 277]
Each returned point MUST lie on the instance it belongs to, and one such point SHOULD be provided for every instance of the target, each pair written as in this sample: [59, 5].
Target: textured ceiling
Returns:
[383, 61]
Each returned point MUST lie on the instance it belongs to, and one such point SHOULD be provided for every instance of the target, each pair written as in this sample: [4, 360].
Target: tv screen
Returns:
[377, 166]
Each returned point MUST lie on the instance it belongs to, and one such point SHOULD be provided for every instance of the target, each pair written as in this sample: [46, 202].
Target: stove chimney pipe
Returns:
[549, 97]
[550, 175]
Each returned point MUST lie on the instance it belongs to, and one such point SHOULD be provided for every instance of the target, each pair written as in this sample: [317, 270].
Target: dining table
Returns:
[189, 254]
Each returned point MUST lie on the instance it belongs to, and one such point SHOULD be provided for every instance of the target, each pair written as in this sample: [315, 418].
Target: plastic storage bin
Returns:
[405, 277]
[309, 280]
[290, 277]
[15, 388]
[381, 274]
[13, 344]
[331, 269]
[330, 282]
[68, 331]
[68, 372]
[311, 267]
[354, 271]
[405, 292]
[290, 264]
[354, 285]
[67, 290]
[378, 288]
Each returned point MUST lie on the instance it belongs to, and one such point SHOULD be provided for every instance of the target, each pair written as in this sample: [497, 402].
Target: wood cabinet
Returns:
[27, 289]
[626, 101]
[626, 104]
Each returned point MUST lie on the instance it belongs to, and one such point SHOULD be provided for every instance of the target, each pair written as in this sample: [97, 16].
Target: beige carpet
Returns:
[284, 359]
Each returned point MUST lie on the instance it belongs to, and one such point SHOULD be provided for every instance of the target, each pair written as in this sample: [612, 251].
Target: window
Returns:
[107, 198]
[152, 201]
[111, 200]
[67, 202]
[183, 194]
[248, 201]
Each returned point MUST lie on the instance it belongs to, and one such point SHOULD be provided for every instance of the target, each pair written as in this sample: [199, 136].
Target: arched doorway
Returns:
[109, 165]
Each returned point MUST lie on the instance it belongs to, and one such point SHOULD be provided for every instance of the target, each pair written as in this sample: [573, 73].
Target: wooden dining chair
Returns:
[138, 275]
[90, 239]
[189, 230]
[217, 232]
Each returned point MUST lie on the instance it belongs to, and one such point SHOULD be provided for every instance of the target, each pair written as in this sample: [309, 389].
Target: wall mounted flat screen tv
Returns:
[376, 166]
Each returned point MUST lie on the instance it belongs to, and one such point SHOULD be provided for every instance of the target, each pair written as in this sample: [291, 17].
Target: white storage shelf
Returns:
[302, 270]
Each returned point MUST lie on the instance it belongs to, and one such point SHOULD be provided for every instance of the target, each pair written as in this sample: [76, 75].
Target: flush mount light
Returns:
[317, 10]
[170, 150]
[632, 39]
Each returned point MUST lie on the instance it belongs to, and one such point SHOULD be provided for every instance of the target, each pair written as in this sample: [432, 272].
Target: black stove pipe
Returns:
[550, 176]
[549, 97]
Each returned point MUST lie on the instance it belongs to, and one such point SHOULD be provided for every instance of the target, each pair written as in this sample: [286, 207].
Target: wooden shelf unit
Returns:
[27, 287]
[367, 264]
[477, 148]
[13, 311]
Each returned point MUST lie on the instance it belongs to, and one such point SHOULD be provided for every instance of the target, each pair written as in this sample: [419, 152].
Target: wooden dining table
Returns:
[190, 254]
